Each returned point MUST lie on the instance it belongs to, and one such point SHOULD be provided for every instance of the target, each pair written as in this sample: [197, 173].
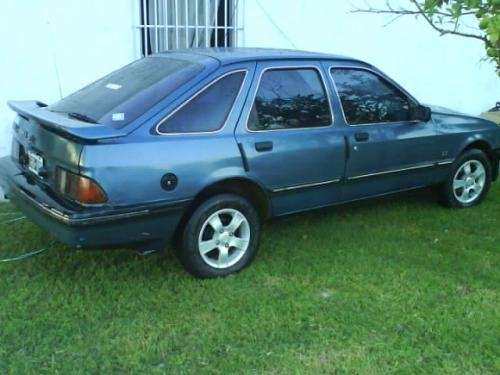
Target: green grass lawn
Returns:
[398, 284]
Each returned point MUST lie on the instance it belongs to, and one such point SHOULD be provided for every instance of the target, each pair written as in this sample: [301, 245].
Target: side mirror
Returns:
[422, 113]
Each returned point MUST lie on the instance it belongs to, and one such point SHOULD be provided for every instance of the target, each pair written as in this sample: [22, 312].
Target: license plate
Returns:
[35, 162]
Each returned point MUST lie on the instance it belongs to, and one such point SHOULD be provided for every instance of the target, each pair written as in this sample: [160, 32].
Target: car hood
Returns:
[446, 111]
[438, 110]
[445, 116]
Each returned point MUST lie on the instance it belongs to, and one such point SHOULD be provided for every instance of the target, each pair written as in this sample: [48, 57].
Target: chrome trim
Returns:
[196, 94]
[319, 69]
[304, 186]
[414, 167]
[66, 219]
[350, 200]
[378, 74]
[445, 162]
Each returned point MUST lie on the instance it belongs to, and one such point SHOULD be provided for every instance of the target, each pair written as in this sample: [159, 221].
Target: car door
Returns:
[287, 136]
[388, 149]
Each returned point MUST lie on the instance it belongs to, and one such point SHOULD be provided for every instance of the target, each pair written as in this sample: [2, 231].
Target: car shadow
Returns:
[425, 197]
[69, 264]
[122, 256]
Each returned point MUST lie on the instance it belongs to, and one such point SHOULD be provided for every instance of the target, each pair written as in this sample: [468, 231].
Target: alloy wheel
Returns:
[224, 238]
[469, 181]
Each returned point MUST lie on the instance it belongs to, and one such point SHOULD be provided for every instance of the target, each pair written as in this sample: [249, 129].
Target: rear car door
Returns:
[287, 136]
[388, 149]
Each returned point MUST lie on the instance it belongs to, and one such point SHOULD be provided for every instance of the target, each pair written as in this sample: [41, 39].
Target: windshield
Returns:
[122, 96]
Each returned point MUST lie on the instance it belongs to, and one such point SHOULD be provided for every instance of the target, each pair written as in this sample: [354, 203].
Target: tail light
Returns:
[79, 188]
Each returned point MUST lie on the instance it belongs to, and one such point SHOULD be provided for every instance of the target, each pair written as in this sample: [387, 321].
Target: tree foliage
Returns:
[449, 16]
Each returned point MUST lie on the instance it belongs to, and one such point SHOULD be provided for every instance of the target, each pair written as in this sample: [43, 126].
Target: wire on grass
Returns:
[25, 255]
[14, 220]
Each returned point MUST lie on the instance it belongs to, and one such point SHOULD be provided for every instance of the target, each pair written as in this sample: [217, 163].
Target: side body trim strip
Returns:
[337, 180]
[410, 168]
[305, 186]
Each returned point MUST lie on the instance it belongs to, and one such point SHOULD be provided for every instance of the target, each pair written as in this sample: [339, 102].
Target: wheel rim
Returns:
[469, 181]
[224, 238]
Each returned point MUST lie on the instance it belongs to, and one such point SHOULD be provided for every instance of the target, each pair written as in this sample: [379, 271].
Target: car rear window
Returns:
[122, 96]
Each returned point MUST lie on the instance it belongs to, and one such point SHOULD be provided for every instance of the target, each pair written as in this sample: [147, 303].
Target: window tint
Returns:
[367, 98]
[122, 96]
[208, 110]
[290, 98]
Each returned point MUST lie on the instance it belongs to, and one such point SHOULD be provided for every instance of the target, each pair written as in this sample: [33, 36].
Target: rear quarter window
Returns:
[208, 110]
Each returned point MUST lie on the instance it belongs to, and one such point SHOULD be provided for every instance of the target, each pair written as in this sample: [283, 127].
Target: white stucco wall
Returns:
[79, 41]
[446, 70]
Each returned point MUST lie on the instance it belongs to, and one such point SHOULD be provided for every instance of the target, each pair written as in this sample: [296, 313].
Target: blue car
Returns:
[199, 147]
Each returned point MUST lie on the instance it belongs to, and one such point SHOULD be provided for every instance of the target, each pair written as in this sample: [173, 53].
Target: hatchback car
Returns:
[202, 146]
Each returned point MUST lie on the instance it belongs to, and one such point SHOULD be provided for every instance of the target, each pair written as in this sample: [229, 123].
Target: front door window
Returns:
[367, 98]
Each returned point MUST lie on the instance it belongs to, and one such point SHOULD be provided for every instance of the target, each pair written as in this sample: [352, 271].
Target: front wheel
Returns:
[221, 237]
[469, 181]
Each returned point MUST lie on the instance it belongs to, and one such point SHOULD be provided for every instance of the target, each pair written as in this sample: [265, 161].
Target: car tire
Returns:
[221, 237]
[468, 182]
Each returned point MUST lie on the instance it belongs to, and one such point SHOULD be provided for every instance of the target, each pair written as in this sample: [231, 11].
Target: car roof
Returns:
[232, 55]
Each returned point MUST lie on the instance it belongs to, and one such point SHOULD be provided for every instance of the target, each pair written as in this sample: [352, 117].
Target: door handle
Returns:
[264, 146]
[361, 136]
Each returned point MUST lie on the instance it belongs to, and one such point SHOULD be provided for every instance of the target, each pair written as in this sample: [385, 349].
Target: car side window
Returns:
[290, 98]
[208, 110]
[367, 98]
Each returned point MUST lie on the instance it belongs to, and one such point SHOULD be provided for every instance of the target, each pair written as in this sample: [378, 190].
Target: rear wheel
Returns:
[469, 181]
[221, 237]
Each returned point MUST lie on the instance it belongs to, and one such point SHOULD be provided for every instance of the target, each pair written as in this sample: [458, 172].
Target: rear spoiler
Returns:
[63, 125]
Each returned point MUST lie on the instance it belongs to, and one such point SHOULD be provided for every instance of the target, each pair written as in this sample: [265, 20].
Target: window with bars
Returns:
[174, 24]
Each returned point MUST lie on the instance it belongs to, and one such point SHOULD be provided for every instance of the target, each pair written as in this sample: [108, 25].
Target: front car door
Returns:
[388, 149]
[287, 135]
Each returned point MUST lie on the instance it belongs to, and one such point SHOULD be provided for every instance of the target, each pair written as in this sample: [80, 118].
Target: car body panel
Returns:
[458, 131]
[197, 160]
[229, 56]
[302, 159]
[31, 136]
[91, 226]
[306, 167]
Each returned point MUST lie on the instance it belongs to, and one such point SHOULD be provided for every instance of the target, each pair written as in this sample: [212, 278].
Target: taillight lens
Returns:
[79, 188]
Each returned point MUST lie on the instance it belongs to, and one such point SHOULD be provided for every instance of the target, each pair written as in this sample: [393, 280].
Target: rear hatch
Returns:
[122, 96]
[42, 141]
[47, 137]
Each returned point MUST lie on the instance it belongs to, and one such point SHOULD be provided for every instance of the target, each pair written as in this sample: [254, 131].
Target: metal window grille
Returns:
[173, 24]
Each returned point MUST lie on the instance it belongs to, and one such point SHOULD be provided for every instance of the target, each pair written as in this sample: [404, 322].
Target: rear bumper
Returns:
[90, 227]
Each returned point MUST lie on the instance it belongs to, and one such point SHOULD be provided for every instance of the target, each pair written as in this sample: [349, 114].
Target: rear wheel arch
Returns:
[241, 186]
